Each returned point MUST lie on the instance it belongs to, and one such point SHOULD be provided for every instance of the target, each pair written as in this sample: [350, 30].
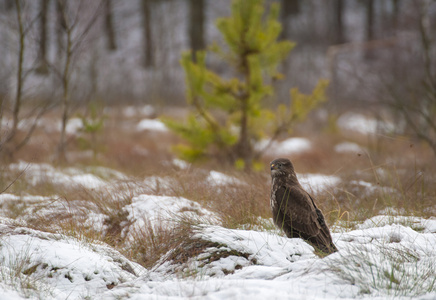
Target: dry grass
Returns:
[378, 189]
[152, 243]
[237, 205]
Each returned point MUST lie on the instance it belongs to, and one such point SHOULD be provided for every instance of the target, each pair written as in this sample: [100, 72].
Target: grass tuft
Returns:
[17, 272]
[387, 269]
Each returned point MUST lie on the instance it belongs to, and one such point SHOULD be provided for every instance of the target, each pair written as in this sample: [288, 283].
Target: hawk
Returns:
[294, 210]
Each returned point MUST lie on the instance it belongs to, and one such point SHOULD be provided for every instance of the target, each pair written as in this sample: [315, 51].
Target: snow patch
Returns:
[166, 210]
[289, 146]
[25, 198]
[219, 179]
[71, 268]
[416, 223]
[40, 173]
[132, 111]
[151, 125]
[181, 164]
[348, 147]
[370, 188]
[268, 249]
[318, 182]
[362, 124]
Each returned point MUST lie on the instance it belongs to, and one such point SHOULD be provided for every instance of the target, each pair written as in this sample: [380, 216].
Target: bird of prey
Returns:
[294, 210]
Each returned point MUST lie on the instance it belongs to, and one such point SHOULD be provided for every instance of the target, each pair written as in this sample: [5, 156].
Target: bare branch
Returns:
[13, 181]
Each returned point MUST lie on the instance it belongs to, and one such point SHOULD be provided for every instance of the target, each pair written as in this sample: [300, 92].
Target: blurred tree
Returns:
[11, 141]
[148, 38]
[92, 126]
[109, 25]
[42, 55]
[20, 78]
[75, 33]
[254, 53]
[196, 25]
[412, 92]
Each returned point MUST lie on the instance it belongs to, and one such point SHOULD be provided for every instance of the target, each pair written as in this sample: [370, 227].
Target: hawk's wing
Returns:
[300, 213]
[325, 232]
[321, 220]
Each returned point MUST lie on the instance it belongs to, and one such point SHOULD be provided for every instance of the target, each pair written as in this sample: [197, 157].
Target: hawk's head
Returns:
[281, 167]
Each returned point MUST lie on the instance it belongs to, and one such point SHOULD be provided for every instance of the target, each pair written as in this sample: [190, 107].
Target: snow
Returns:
[152, 125]
[74, 125]
[289, 146]
[368, 189]
[220, 179]
[163, 208]
[71, 268]
[348, 147]
[88, 180]
[363, 125]
[8, 294]
[132, 111]
[426, 225]
[259, 245]
[256, 264]
[269, 266]
[27, 198]
[41, 173]
[181, 164]
[318, 182]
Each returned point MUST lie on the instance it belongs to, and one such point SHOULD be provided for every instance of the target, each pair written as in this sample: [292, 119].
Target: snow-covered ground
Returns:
[387, 256]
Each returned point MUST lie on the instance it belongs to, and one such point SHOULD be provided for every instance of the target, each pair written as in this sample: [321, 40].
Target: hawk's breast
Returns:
[273, 195]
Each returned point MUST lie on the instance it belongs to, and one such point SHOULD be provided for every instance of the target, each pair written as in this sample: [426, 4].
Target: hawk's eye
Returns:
[280, 164]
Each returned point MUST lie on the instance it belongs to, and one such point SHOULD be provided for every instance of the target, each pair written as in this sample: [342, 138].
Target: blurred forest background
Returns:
[379, 56]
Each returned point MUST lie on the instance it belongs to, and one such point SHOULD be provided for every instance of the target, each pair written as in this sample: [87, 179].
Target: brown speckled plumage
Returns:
[294, 210]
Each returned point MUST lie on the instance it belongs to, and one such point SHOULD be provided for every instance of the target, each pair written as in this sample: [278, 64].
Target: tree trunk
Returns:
[8, 5]
[291, 7]
[17, 104]
[394, 16]
[60, 26]
[369, 27]
[61, 155]
[42, 64]
[244, 149]
[148, 39]
[288, 8]
[65, 101]
[196, 26]
[338, 25]
[109, 26]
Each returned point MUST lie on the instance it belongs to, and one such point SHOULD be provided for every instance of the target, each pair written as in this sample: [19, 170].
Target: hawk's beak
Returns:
[273, 167]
